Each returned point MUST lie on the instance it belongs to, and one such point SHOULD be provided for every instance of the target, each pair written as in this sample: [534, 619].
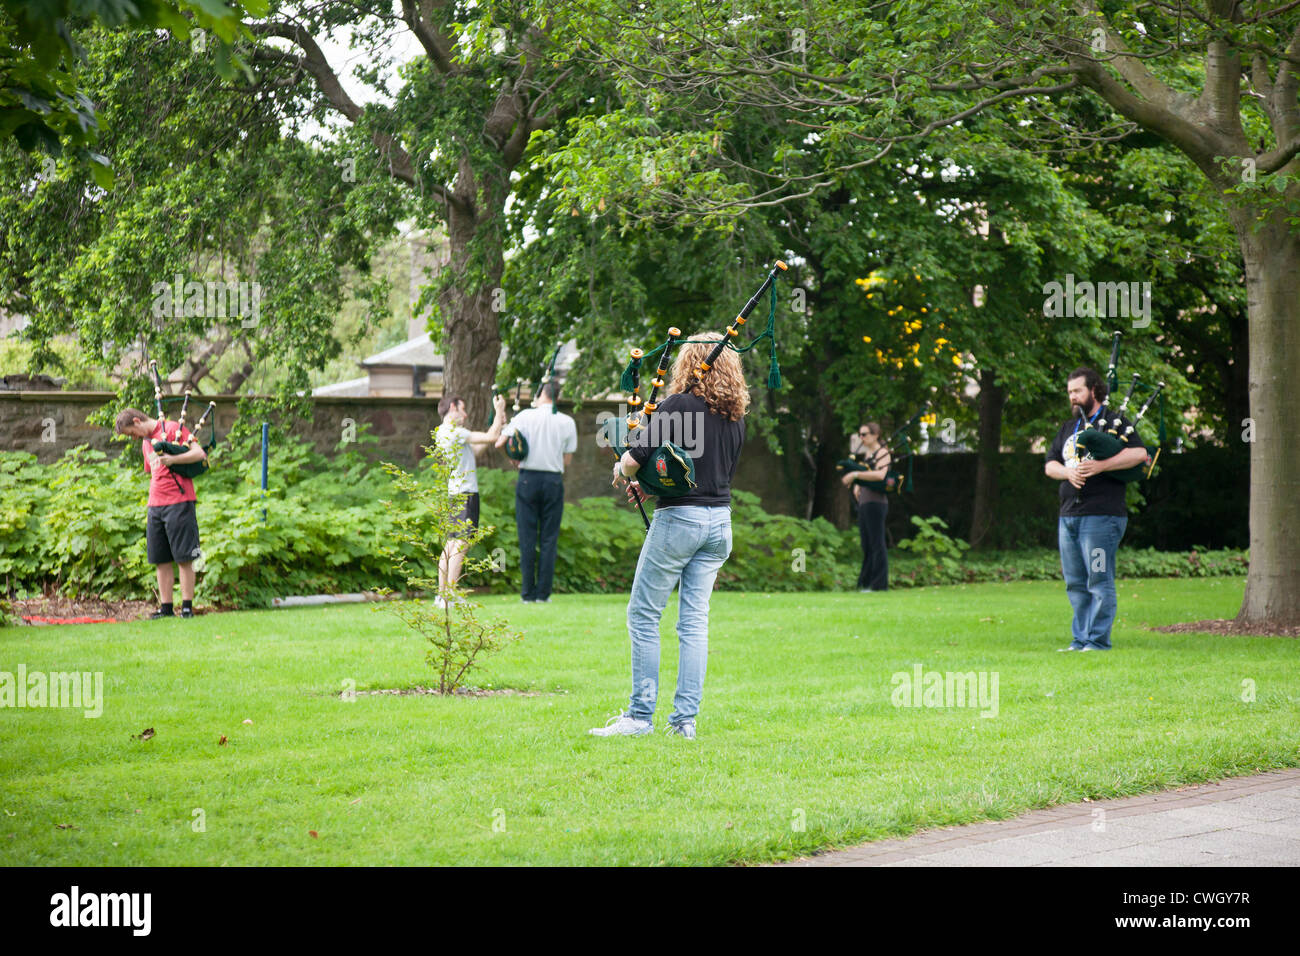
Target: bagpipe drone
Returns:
[1105, 439]
[669, 472]
[161, 446]
[516, 446]
[895, 479]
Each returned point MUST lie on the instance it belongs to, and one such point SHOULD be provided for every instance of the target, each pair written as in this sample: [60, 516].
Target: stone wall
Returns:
[49, 423]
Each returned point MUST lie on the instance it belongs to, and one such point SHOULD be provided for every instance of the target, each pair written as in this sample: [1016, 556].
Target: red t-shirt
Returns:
[165, 486]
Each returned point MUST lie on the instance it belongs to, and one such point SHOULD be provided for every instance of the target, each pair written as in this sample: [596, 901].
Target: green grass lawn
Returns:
[799, 745]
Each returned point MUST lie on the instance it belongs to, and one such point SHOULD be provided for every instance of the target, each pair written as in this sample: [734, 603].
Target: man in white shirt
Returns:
[464, 445]
[552, 439]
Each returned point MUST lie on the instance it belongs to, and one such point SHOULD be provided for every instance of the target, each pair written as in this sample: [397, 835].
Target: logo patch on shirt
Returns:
[1071, 452]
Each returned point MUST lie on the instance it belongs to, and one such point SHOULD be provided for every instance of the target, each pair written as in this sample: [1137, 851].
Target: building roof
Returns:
[353, 386]
[416, 352]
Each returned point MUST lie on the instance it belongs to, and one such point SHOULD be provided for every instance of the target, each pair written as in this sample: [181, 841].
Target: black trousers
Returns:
[539, 506]
[875, 557]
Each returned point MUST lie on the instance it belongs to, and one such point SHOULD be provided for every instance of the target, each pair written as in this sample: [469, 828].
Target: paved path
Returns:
[1243, 821]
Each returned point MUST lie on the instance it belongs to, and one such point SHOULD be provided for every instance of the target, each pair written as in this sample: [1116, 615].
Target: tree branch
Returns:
[418, 16]
[1274, 160]
[327, 81]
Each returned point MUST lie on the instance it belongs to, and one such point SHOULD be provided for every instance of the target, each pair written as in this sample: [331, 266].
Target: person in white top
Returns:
[552, 439]
[464, 445]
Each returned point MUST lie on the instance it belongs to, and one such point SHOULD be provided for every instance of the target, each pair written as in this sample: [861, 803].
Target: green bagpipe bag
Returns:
[1102, 445]
[668, 473]
[516, 447]
[893, 479]
[190, 469]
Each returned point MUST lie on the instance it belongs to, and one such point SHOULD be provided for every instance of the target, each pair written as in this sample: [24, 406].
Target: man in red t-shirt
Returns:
[172, 529]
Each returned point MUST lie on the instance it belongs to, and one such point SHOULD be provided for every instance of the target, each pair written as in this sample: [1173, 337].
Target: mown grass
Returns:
[800, 747]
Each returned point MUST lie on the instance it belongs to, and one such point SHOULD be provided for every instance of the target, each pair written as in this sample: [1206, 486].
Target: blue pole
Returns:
[266, 426]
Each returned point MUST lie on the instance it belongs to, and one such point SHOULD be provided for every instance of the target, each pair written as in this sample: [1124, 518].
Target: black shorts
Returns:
[172, 533]
[469, 514]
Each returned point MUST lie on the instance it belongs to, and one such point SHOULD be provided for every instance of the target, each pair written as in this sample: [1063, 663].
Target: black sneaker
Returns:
[160, 614]
[187, 612]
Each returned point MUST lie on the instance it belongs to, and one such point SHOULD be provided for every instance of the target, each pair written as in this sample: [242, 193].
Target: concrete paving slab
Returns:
[1243, 821]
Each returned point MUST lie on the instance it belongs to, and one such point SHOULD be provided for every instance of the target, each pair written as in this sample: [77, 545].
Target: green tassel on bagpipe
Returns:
[628, 381]
[774, 371]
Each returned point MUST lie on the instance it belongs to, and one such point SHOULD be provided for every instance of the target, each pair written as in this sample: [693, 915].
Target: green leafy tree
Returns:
[211, 192]
[424, 517]
[486, 78]
[41, 104]
[1216, 80]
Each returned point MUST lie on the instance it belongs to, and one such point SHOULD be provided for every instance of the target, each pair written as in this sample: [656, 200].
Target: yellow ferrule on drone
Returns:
[650, 407]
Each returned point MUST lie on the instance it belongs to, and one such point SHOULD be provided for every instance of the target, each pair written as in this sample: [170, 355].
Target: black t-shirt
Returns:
[710, 439]
[1101, 494]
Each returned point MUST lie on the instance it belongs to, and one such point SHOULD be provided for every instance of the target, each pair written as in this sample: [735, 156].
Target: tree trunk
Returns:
[991, 401]
[1236, 392]
[471, 333]
[1272, 260]
[830, 497]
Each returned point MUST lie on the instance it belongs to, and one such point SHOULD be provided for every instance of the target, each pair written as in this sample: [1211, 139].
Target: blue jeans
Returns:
[685, 546]
[1088, 545]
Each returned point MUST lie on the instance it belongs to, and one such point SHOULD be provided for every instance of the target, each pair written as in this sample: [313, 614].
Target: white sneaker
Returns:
[623, 726]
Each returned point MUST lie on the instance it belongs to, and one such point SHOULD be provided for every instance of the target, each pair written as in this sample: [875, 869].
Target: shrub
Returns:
[424, 515]
[77, 525]
[938, 553]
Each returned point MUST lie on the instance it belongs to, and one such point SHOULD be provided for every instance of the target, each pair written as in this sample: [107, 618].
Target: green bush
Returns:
[1044, 564]
[77, 526]
[940, 555]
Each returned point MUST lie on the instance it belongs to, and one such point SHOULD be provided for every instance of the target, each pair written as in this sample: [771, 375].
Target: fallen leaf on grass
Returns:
[144, 734]
[355, 802]
[67, 826]
[222, 741]
[313, 834]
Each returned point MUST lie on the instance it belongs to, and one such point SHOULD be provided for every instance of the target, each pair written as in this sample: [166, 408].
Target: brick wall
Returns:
[401, 425]
[1184, 508]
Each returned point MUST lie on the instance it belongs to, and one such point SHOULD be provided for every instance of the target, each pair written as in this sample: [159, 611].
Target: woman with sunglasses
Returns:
[873, 506]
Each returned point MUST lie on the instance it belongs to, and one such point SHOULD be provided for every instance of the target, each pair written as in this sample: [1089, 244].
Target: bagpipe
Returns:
[669, 472]
[1105, 439]
[895, 479]
[189, 469]
[516, 446]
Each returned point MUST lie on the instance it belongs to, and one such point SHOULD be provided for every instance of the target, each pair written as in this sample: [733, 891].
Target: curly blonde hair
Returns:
[723, 387]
